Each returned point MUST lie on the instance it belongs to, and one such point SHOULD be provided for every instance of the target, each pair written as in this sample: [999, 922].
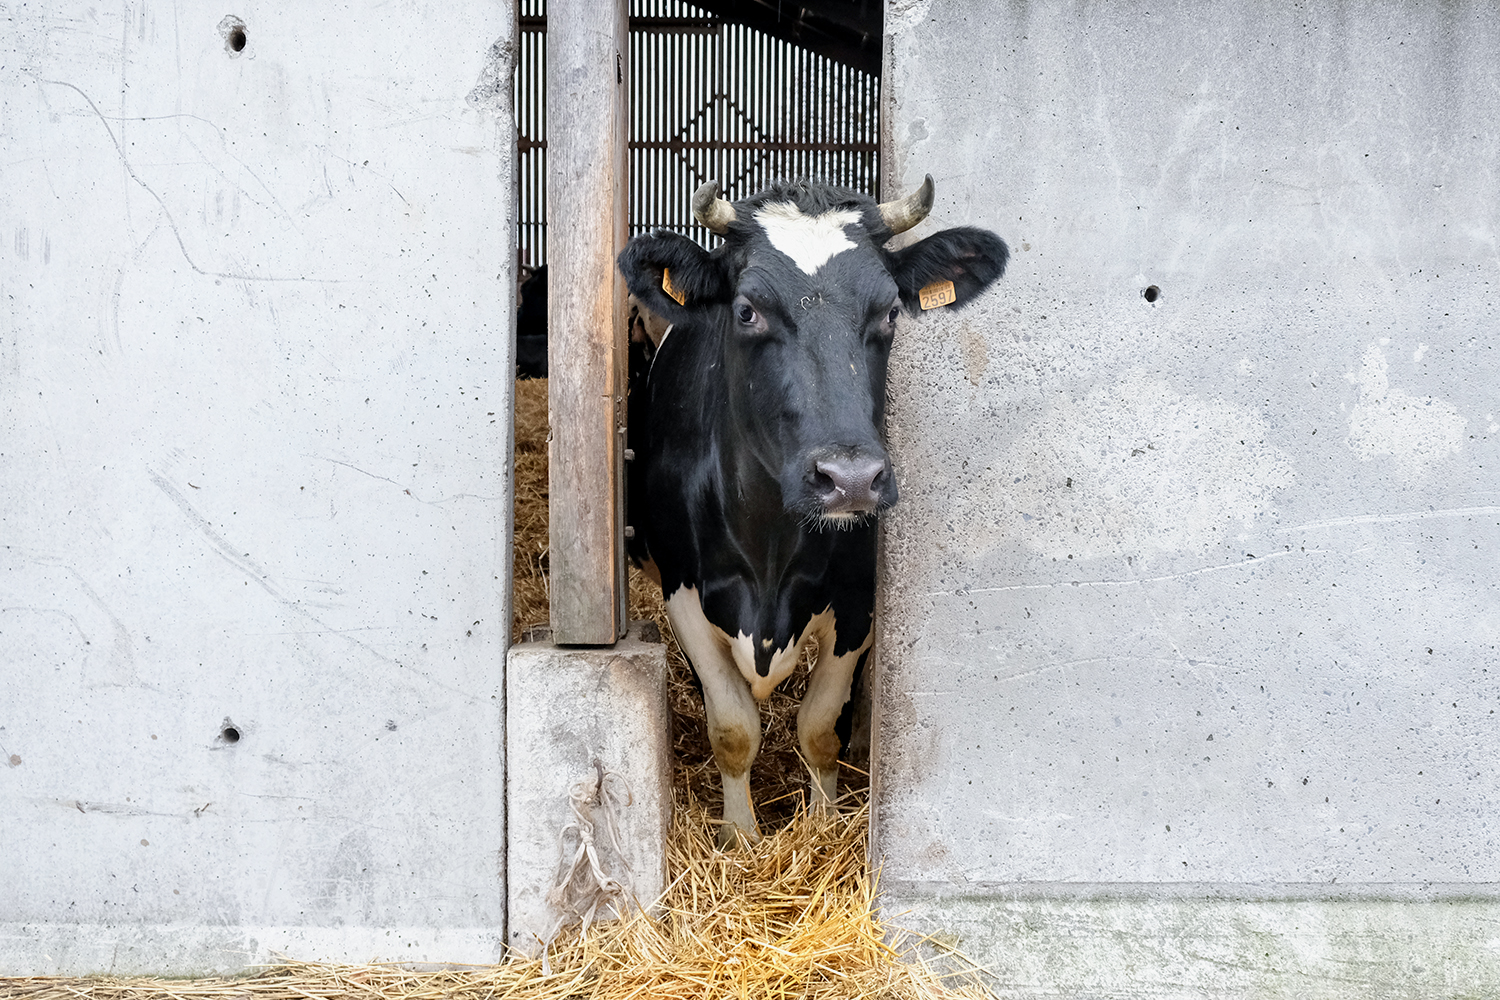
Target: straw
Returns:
[792, 917]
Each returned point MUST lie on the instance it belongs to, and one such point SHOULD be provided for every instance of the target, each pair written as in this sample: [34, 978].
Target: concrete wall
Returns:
[254, 432]
[1194, 599]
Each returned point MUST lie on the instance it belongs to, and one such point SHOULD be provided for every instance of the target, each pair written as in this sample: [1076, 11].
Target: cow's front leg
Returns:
[733, 716]
[827, 691]
[734, 731]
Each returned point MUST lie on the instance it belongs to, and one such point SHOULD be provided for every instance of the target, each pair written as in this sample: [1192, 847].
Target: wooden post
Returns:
[587, 45]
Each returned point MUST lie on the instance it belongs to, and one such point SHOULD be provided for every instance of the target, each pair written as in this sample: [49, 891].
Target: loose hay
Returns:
[529, 560]
[791, 917]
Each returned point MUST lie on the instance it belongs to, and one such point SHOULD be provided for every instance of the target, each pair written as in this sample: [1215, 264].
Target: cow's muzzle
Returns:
[852, 483]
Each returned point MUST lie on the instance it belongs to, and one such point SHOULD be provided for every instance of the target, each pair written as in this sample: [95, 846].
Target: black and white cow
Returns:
[762, 462]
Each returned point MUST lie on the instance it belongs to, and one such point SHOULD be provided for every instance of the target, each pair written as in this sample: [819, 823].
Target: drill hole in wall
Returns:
[229, 732]
[1151, 294]
[232, 30]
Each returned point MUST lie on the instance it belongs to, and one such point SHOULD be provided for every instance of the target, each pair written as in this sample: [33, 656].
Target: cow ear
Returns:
[970, 258]
[671, 275]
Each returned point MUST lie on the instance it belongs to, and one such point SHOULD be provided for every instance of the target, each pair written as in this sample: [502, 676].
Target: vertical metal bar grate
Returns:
[709, 100]
[531, 133]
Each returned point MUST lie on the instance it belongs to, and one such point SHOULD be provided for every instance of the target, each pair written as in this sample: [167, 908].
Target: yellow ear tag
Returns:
[672, 290]
[939, 293]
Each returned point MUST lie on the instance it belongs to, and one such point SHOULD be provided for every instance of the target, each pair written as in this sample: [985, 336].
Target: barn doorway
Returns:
[676, 95]
[724, 92]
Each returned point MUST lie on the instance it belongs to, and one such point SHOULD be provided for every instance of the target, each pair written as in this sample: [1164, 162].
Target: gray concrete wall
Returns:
[254, 433]
[1196, 599]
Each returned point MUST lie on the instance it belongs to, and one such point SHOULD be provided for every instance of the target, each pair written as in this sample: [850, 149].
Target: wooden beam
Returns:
[587, 46]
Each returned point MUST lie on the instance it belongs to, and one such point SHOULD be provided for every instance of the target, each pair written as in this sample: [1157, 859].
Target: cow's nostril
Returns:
[848, 484]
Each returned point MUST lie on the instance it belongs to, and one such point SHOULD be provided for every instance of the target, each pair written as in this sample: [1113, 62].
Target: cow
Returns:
[531, 326]
[762, 464]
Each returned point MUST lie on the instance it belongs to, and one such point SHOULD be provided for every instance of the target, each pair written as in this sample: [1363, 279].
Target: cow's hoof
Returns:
[732, 837]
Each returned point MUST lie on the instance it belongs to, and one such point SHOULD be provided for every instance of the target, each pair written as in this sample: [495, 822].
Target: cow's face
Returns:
[803, 302]
[807, 335]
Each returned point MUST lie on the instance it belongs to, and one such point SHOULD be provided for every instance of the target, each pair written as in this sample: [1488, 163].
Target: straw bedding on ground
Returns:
[790, 917]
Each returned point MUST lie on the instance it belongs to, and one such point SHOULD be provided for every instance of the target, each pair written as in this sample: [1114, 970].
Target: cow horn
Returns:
[902, 215]
[710, 210]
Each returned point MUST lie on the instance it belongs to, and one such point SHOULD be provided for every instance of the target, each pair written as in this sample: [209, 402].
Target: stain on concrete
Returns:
[1133, 468]
[1416, 431]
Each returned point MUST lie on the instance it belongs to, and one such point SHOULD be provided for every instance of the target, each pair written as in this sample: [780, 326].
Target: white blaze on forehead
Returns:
[810, 240]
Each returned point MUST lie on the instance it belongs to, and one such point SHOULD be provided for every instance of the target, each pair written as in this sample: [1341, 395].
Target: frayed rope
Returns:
[583, 886]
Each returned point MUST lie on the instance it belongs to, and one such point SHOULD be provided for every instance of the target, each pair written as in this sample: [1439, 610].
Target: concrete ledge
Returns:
[1182, 948]
[573, 713]
[185, 950]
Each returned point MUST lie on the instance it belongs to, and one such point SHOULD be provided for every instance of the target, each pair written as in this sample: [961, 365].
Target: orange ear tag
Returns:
[672, 290]
[939, 293]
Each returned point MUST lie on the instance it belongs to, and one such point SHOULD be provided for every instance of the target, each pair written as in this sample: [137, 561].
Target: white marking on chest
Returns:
[810, 240]
[697, 633]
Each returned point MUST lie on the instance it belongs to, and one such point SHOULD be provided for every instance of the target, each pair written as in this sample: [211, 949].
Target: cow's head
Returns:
[802, 299]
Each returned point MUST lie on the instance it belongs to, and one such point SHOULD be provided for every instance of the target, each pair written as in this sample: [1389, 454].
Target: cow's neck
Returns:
[771, 537]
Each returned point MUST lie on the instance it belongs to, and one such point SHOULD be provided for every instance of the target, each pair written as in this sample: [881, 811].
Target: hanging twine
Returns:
[583, 885]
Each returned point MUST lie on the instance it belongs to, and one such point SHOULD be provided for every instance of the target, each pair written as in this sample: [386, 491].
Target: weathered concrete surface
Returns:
[1194, 948]
[254, 427]
[1198, 594]
[579, 715]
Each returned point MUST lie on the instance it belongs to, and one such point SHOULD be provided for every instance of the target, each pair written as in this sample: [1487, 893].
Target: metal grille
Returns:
[531, 128]
[709, 100]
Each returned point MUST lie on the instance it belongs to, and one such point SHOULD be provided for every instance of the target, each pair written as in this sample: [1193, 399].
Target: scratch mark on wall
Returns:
[167, 212]
[268, 795]
[240, 562]
[59, 612]
[1413, 515]
[89, 808]
[1163, 578]
[114, 309]
[121, 653]
[1162, 629]
[1028, 820]
[209, 162]
[407, 489]
[1178, 660]
[260, 577]
[326, 631]
[1309, 973]
[117, 655]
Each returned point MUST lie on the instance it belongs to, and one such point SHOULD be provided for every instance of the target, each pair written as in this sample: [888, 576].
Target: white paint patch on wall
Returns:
[1417, 431]
[1133, 469]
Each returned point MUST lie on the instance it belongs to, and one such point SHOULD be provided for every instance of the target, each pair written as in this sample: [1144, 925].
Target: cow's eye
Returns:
[890, 317]
[745, 313]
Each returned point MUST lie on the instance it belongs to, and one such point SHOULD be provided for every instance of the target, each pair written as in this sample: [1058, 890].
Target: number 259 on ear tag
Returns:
[939, 293]
[673, 290]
